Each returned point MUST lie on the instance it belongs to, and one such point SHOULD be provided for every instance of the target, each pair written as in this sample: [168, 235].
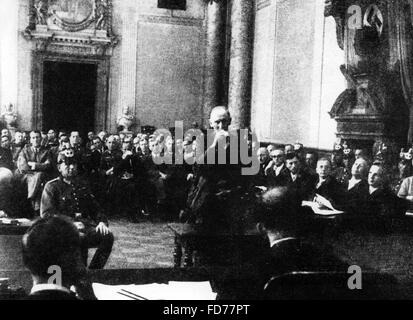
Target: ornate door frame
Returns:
[102, 81]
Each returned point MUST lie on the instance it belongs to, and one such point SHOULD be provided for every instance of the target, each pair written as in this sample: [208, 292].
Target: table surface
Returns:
[15, 228]
[229, 283]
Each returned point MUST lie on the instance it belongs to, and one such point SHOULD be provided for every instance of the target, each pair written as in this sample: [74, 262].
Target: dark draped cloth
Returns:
[401, 31]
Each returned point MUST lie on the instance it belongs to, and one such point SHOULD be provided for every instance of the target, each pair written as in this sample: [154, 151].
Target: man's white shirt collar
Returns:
[48, 287]
[276, 242]
[371, 189]
[352, 182]
[278, 169]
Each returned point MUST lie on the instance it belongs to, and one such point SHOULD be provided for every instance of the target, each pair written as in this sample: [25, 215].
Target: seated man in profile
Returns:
[33, 164]
[279, 220]
[69, 195]
[357, 190]
[51, 251]
[381, 202]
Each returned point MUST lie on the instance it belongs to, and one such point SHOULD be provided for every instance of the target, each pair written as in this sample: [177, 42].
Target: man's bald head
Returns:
[220, 119]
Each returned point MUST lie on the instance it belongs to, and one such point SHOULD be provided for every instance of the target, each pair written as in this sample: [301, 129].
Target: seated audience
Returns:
[338, 169]
[17, 146]
[357, 193]
[6, 156]
[405, 171]
[325, 185]
[381, 201]
[52, 140]
[289, 149]
[33, 165]
[70, 195]
[311, 159]
[263, 158]
[270, 147]
[55, 242]
[406, 188]
[276, 169]
[296, 179]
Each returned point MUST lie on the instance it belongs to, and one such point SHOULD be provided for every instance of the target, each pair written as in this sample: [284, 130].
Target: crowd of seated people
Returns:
[350, 180]
[125, 179]
[119, 168]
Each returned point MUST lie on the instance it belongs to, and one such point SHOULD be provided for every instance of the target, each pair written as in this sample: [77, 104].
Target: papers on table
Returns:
[10, 221]
[409, 213]
[174, 290]
[322, 206]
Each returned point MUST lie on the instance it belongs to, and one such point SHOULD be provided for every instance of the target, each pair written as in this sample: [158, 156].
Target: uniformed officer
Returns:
[69, 195]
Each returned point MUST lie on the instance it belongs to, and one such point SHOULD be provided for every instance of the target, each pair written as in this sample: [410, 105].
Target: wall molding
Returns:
[171, 20]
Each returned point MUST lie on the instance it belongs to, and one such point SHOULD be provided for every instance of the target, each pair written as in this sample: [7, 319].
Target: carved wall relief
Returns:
[372, 107]
[73, 31]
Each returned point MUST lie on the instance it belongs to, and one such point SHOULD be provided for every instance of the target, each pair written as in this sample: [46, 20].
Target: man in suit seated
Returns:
[6, 174]
[17, 145]
[33, 164]
[264, 158]
[298, 181]
[326, 185]
[381, 202]
[406, 190]
[357, 190]
[279, 219]
[53, 243]
[70, 195]
[276, 169]
[311, 159]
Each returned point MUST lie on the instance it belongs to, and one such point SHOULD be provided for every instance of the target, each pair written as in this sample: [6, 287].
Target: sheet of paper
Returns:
[155, 291]
[191, 290]
[325, 202]
[321, 211]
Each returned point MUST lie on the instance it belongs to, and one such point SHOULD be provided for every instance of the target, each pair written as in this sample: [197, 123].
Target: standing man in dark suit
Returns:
[33, 164]
[49, 246]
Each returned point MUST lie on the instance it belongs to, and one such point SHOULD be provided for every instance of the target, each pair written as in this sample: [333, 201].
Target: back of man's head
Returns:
[53, 241]
[278, 210]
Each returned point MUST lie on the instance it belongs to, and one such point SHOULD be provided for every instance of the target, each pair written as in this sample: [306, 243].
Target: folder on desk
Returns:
[174, 290]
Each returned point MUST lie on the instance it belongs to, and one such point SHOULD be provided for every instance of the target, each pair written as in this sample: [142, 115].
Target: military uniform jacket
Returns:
[60, 197]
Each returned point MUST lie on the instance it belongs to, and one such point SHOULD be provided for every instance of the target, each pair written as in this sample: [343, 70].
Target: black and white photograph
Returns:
[206, 150]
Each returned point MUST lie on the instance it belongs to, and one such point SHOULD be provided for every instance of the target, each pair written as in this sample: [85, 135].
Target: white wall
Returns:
[8, 51]
[296, 76]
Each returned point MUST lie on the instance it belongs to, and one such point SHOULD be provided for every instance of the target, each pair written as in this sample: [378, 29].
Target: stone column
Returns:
[8, 52]
[127, 92]
[215, 55]
[240, 73]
